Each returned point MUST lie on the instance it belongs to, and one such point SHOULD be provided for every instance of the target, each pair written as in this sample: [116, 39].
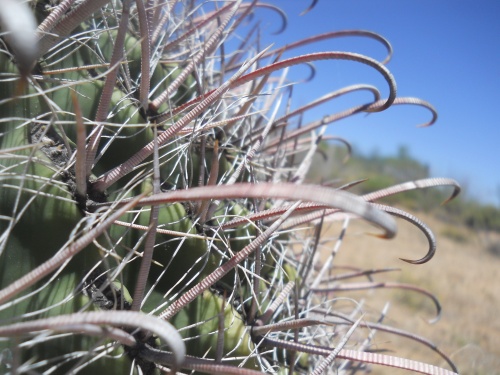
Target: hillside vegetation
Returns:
[383, 171]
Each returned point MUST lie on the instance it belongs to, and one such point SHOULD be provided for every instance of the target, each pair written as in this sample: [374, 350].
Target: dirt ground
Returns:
[463, 275]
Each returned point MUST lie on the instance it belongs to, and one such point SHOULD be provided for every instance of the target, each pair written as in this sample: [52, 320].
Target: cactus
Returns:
[150, 194]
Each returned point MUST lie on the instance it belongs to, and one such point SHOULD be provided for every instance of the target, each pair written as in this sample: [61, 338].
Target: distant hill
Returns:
[382, 171]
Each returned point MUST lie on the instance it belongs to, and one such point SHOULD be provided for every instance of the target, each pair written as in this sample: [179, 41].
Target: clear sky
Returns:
[445, 52]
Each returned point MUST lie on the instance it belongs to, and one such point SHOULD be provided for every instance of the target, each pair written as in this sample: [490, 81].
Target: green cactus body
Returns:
[202, 338]
[162, 75]
[43, 225]
[47, 223]
[240, 236]
[176, 253]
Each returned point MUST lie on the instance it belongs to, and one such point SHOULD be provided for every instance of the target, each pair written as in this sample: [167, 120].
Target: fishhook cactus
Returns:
[153, 208]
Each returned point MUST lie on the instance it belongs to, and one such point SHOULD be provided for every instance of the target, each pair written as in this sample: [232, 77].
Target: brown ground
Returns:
[463, 275]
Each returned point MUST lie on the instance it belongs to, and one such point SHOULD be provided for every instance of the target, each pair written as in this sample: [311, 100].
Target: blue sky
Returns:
[445, 52]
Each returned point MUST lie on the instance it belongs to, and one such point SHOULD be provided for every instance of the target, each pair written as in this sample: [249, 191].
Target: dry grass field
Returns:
[463, 275]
